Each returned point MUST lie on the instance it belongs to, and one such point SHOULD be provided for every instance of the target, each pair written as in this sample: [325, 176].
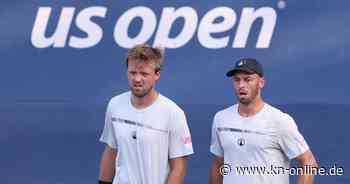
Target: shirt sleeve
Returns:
[180, 142]
[215, 144]
[291, 141]
[108, 135]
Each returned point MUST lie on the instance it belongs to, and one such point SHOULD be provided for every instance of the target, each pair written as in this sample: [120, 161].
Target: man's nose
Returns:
[137, 78]
[240, 84]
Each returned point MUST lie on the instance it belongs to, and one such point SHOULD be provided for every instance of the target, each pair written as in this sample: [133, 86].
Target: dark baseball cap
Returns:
[248, 65]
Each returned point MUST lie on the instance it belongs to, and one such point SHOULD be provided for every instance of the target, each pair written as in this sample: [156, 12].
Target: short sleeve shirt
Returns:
[145, 139]
[269, 139]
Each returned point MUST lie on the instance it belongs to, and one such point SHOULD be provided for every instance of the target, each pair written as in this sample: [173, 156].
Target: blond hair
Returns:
[144, 53]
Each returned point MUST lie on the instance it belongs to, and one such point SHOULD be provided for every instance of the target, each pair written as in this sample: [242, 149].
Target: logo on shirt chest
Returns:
[241, 142]
[133, 134]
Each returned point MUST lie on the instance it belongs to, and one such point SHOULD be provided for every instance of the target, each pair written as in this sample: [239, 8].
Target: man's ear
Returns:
[157, 74]
[262, 82]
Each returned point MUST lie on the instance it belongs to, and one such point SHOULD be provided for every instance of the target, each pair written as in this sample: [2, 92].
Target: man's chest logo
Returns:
[241, 142]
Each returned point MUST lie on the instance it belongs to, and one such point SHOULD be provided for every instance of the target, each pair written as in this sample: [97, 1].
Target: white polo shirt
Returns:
[269, 139]
[145, 139]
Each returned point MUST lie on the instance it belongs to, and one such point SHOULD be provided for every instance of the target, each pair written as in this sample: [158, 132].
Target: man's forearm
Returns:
[107, 165]
[214, 172]
[215, 176]
[176, 177]
[178, 167]
[306, 179]
[307, 159]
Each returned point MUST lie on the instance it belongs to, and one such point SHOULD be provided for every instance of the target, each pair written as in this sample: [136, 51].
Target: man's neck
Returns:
[143, 102]
[250, 109]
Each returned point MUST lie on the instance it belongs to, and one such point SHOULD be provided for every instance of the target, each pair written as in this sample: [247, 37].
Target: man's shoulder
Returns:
[121, 98]
[169, 105]
[228, 111]
[272, 110]
[278, 116]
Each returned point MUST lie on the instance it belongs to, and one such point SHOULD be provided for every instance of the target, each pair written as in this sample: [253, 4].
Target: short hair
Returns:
[145, 53]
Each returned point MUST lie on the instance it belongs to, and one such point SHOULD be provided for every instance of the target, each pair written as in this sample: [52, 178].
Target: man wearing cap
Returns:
[252, 141]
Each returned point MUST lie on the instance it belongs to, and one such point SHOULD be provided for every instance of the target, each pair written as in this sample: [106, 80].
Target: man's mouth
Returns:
[137, 87]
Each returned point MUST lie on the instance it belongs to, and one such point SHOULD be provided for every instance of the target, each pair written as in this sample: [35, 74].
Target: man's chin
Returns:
[138, 94]
[244, 101]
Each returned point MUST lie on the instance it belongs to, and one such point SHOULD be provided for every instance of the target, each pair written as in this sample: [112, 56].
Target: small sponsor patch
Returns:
[187, 140]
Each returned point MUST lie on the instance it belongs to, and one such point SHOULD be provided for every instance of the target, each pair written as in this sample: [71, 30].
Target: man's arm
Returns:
[178, 168]
[214, 174]
[107, 165]
[306, 159]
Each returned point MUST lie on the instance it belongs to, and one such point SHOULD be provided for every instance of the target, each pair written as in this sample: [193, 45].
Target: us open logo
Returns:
[235, 27]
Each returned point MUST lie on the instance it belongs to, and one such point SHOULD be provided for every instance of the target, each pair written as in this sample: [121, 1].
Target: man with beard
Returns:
[252, 141]
[146, 134]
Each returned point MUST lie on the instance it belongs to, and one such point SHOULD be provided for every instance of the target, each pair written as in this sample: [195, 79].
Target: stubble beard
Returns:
[142, 93]
[250, 99]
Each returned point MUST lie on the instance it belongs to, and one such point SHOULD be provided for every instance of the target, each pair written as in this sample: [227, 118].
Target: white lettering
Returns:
[247, 19]
[207, 27]
[169, 15]
[93, 31]
[59, 37]
[149, 22]
[212, 32]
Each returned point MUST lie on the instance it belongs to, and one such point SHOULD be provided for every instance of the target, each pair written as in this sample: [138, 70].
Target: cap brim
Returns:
[232, 72]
